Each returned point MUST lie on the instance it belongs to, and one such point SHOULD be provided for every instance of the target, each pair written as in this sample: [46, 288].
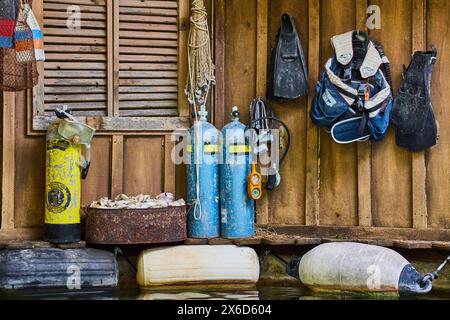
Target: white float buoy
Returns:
[198, 265]
[347, 266]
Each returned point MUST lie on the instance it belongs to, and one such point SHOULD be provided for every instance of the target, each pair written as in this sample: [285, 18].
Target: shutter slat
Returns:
[148, 89]
[79, 2]
[149, 4]
[64, 7]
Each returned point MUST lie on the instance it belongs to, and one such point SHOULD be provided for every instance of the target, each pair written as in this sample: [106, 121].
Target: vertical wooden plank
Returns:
[240, 52]
[438, 169]
[143, 166]
[169, 165]
[116, 165]
[338, 163]
[287, 202]
[183, 29]
[312, 133]
[391, 165]
[115, 55]
[363, 149]
[8, 161]
[98, 181]
[262, 26]
[38, 90]
[419, 197]
[29, 180]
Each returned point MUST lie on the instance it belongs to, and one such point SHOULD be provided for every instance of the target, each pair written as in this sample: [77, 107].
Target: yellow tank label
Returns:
[241, 148]
[207, 148]
[63, 186]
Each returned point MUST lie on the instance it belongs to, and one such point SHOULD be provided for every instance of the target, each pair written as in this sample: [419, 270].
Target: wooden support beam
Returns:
[38, 90]
[419, 171]
[262, 30]
[183, 36]
[117, 166]
[169, 165]
[313, 141]
[364, 149]
[8, 161]
[365, 233]
[9, 235]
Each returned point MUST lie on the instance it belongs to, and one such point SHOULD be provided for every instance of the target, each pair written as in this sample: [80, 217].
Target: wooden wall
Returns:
[353, 187]
[366, 189]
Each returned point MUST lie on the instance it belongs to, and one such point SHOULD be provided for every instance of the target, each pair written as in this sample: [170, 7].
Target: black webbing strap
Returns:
[348, 94]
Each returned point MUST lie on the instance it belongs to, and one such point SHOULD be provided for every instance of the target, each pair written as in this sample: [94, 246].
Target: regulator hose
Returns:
[288, 133]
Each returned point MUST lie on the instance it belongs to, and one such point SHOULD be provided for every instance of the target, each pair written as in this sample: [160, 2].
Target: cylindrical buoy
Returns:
[203, 180]
[347, 266]
[237, 209]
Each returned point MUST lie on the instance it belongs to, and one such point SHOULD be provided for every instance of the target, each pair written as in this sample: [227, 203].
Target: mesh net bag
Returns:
[18, 64]
[23, 36]
[8, 15]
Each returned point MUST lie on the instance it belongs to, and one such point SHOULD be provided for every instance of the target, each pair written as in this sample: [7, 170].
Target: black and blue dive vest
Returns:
[354, 95]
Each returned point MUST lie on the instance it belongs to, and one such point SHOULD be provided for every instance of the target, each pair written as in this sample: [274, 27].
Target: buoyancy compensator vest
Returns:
[354, 94]
[288, 74]
[413, 117]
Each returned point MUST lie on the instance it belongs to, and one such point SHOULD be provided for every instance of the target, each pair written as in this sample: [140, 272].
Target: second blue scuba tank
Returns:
[203, 179]
[237, 209]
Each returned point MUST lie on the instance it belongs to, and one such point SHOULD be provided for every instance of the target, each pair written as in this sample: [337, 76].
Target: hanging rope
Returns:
[199, 81]
[201, 68]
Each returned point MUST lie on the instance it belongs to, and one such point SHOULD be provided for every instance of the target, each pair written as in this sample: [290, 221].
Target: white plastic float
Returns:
[346, 266]
[184, 266]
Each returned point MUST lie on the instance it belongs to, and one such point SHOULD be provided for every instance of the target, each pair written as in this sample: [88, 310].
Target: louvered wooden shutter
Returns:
[120, 63]
[148, 58]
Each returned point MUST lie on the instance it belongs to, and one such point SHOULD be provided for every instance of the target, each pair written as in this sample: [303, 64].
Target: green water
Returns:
[262, 292]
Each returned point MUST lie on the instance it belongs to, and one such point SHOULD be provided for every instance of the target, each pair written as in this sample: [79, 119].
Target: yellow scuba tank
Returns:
[65, 167]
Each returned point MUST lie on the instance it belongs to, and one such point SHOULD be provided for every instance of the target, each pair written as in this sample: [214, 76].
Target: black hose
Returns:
[288, 145]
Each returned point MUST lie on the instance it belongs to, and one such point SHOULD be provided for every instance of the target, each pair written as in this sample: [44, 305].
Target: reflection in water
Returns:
[243, 295]
[263, 292]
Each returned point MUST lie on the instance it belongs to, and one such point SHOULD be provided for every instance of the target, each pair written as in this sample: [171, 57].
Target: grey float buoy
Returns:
[347, 266]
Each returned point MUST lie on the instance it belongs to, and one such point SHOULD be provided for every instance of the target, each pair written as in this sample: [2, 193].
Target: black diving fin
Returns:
[288, 74]
[415, 124]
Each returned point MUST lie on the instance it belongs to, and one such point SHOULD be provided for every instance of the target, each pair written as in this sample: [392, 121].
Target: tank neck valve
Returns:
[203, 114]
[235, 113]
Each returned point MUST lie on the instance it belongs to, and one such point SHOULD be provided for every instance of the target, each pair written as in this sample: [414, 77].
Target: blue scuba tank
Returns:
[203, 193]
[237, 209]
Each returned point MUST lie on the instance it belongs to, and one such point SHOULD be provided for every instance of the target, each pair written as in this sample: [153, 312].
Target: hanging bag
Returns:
[19, 71]
[38, 39]
[354, 97]
[8, 12]
[23, 36]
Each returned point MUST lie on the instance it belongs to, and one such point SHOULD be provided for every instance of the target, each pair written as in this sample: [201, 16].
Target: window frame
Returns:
[38, 121]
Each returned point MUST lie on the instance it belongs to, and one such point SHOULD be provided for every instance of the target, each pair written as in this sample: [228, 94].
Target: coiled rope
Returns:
[199, 81]
[200, 64]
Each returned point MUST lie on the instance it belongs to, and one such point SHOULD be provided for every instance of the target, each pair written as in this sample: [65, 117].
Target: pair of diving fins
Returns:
[288, 73]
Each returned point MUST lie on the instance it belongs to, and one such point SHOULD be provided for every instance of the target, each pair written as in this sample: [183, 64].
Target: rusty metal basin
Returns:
[136, 226]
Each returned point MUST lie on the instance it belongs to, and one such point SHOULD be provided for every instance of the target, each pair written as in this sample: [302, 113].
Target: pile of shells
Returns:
[141, 201]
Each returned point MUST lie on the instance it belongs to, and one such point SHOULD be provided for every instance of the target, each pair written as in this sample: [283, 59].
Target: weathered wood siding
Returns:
[359, 185]
[375, 188]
